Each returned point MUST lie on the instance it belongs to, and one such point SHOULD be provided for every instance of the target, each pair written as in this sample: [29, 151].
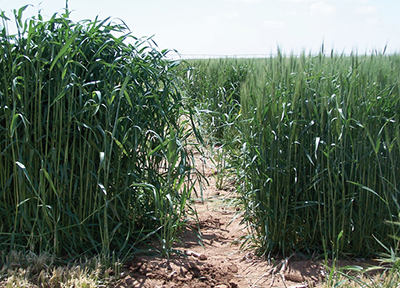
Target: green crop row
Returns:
[93, 155]
[317, 147]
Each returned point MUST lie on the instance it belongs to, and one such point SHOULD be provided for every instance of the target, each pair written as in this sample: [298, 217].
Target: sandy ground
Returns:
[219, 261]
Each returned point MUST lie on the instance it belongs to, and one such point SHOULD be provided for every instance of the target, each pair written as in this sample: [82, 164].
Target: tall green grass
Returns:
[213, 86]
[93, 155]
[319, 152]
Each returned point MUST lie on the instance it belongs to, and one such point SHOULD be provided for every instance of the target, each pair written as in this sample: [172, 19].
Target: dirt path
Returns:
[219, 262]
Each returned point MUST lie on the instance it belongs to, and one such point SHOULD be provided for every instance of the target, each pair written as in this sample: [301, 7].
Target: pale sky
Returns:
[245, 27]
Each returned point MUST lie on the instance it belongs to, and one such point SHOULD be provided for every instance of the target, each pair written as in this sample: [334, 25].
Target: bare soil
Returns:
[218, 261]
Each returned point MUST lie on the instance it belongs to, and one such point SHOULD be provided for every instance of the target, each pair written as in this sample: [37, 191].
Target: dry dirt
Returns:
[218, 262]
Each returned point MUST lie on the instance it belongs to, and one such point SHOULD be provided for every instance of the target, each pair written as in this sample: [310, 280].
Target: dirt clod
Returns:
[203, 257]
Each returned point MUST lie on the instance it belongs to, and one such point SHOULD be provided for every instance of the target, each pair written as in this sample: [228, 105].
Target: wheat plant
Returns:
[316, 149]
[93, 152]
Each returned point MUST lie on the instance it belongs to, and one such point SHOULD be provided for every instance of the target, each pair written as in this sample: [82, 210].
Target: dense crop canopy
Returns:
[93, 154]
[316, 145]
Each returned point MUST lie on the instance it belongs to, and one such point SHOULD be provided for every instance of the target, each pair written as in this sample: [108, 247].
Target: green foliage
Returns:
[322, 150]
[93, 153]
[214, 88]
[319, 150]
